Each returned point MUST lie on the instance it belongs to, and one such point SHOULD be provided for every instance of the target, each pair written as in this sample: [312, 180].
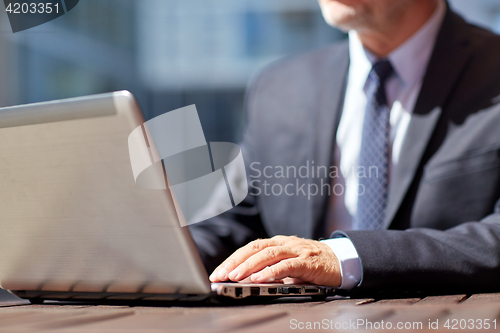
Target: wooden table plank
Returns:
[395, 302]
[346, 302]
[447, 299]
[279, 317]
[206, 322]
[31, 321]
[483, 298]
[322, 318]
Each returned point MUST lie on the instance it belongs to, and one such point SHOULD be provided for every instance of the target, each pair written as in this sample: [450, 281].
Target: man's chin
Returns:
[340, 16]
[344, 24]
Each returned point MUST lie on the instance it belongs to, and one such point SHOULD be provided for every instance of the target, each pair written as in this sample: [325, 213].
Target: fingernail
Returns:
[214, 274]
[257, 276]
[234, 275]
[222, 274]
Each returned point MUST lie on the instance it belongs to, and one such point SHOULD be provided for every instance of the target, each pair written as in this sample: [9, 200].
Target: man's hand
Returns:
[281, 257]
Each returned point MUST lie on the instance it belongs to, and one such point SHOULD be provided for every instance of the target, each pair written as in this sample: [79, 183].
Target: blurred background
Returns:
[170, 53]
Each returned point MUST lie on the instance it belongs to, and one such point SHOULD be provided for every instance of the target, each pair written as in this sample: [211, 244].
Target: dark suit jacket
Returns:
[443, 227]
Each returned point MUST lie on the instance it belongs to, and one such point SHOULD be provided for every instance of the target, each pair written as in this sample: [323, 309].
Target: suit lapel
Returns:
[447, 63]
[324, 127]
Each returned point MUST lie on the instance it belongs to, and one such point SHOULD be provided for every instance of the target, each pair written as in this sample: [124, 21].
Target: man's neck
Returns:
[389, 36]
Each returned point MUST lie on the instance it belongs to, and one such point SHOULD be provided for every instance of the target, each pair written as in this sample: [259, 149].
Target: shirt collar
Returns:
[409, 58]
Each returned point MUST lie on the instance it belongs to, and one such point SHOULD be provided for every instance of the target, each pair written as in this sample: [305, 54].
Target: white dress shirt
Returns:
[410, 62]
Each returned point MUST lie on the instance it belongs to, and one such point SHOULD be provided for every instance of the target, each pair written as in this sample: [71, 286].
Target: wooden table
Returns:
[282, 316]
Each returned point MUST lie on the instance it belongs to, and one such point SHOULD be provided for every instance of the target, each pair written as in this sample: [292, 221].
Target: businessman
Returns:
[386, 147]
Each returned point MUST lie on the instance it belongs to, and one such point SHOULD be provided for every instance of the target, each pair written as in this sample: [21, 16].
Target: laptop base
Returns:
[221, 293]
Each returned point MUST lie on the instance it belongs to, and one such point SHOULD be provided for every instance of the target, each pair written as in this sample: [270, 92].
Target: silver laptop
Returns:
[74, 224]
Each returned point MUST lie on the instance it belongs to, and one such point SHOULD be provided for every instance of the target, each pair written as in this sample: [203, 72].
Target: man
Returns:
[412, 96]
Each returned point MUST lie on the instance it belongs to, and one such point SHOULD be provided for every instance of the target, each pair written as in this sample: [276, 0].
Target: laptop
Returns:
[76, 227]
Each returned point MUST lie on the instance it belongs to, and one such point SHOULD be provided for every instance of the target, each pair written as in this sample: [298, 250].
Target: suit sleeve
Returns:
[463, 259]
[217, 238]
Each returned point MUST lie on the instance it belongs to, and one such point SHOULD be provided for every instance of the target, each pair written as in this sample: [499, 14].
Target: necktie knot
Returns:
[381, 71]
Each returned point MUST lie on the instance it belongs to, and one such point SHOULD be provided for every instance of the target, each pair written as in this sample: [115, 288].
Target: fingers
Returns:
[292, 281]
[267, 257]
[288, 268]
[281, 258]
[237, 258]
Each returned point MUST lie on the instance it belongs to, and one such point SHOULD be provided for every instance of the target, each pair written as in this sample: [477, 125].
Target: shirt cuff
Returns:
[350, 265]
